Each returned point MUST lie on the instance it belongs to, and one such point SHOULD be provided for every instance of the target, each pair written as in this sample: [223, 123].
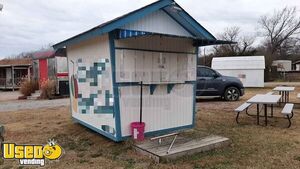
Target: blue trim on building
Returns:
[152, 88]
[170, 87]
[120, 84]
[159, 34]
[114, 24]
[125, 33]
[190, 82]
[194, 91]
[112, 37]
[96, 129]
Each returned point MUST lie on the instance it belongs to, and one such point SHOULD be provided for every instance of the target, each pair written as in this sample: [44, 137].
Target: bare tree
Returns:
[279, 27]
[29, 54]
[243, 44]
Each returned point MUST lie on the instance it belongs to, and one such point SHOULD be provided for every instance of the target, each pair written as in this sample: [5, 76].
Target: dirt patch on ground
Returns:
[32, 104]
[252, 146]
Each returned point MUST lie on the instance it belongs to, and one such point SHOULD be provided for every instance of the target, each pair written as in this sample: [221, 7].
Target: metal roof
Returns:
[296, 62]
[169, 6]
[49, 54]
[15, 62]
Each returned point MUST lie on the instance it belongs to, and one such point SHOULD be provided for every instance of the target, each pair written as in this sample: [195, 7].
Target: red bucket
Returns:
[137, 130]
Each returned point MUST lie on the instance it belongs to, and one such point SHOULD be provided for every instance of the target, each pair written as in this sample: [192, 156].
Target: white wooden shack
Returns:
[157, 44]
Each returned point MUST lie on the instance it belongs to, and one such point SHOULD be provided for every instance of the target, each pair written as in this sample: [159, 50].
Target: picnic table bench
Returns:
[284, 91]
[288, 112]
[240, 109]
[245, 106]
[265, 99]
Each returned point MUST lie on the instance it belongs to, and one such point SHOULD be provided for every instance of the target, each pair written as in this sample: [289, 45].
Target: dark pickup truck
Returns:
[212, 83]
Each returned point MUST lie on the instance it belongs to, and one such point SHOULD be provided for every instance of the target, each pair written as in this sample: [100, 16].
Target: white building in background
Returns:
[249, 69]
[282, 65]
[296, 65]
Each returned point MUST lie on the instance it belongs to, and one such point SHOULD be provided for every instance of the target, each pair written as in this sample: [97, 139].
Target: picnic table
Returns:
[284, 91]
[265, 100]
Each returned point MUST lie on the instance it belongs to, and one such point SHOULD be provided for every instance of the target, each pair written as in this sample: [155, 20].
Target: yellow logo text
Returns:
[32, 154]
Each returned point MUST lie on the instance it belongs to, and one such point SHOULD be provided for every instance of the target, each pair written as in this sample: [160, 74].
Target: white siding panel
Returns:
[139, 65]
[156, 67]
[91, 52]
[125, 65]
[61, 64]
[165, 65]
[160, 110]
[182, 67]
[147, 67]
[173, 67]
[158, 22]
[192, 66]
[119, 65]
[249, 78]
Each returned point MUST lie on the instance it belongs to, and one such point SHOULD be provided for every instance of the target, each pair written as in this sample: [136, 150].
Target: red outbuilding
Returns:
[52, 65]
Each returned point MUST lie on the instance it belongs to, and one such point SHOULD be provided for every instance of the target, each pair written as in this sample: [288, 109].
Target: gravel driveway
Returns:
[9, 95]
[32, 104]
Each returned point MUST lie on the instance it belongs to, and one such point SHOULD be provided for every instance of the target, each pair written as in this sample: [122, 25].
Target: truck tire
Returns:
[232, 94]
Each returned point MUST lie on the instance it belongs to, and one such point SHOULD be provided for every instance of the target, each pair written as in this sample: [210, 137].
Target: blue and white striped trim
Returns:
[123, 33]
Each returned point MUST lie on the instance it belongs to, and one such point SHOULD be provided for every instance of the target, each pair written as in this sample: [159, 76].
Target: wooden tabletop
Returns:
[264, 99]
[284, 88]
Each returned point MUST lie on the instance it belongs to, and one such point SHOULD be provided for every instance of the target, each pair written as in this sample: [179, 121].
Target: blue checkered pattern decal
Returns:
[95, 93]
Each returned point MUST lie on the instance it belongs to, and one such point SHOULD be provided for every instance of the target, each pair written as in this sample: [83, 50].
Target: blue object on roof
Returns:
[169, 6]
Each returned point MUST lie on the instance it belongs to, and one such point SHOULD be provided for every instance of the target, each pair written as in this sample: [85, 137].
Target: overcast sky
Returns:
[27, 25]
